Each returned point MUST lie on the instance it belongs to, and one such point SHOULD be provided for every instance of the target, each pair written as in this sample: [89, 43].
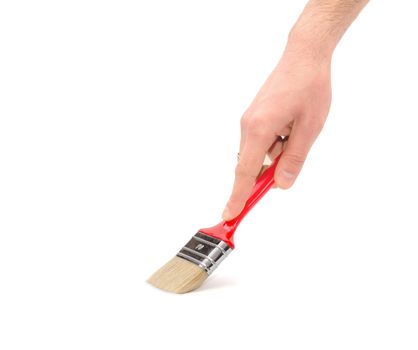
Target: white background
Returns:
[119, 127]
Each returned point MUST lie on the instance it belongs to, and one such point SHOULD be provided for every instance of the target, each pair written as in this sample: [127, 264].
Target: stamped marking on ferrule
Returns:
[200, 246]
[205, 251]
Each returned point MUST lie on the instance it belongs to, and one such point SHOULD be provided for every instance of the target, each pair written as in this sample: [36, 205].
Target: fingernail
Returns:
[285, 179]
[226, 215]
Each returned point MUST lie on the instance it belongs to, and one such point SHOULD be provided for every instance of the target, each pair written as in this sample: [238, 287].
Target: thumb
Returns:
[293, 158]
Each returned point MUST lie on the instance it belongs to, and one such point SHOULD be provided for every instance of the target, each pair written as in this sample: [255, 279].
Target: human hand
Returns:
[293, 102]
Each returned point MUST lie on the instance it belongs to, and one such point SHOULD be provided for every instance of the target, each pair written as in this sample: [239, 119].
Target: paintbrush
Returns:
[208, 247]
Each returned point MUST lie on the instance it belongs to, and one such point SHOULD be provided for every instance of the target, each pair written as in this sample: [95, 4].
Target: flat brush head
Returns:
[178, 276]
[192, 265]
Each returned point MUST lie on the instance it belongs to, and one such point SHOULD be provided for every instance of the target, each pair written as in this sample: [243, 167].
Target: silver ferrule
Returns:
[205, 251]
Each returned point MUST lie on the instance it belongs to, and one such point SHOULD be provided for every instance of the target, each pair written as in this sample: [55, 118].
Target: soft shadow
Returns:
[217, 282]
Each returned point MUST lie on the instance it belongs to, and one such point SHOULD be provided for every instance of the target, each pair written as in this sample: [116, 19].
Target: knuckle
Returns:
[314, 124]
[257, 122]
[244, 120]
[318, 124]
[242, 171]
[256, 127]
[294, 160]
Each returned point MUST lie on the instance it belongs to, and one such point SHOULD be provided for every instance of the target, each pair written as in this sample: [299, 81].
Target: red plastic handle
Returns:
[226, 229]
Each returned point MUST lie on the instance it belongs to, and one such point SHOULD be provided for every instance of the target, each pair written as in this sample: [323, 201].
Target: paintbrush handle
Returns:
[225, 230]
[263, 183]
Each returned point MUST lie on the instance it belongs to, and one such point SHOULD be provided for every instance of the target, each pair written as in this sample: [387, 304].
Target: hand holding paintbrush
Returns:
[209, 246]
[294, 101]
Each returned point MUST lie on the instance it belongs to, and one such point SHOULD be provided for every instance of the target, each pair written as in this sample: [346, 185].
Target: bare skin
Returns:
[294, 101]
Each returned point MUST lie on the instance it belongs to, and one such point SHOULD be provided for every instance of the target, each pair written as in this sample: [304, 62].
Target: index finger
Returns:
[248, 167]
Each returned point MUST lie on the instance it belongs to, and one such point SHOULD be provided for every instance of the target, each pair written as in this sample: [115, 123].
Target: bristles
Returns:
[178, 276]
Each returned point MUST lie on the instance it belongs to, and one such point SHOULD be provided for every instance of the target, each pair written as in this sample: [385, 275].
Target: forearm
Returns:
[322, 24]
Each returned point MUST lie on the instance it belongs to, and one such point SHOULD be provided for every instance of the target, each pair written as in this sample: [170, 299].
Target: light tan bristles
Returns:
[178, 276]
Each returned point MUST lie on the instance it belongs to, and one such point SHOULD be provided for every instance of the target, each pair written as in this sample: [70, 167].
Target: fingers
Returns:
[251, 160]
[243, 135]
[294, 155]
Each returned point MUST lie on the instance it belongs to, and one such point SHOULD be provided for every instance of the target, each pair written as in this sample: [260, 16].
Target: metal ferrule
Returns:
[205, 251]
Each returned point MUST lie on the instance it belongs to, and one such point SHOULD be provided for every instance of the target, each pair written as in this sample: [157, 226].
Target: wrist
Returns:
[310, 46]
